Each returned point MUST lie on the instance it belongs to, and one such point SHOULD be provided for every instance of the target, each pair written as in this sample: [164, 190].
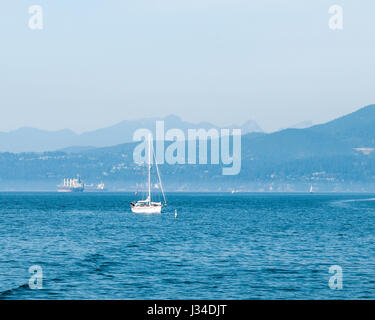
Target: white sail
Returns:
[161, 185]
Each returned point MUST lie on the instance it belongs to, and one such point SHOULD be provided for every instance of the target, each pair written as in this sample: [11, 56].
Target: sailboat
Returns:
[147, 205]
[311, 189]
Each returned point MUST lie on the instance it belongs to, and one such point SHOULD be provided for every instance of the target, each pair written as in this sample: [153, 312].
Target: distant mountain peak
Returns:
[251, 126]
[172, 117]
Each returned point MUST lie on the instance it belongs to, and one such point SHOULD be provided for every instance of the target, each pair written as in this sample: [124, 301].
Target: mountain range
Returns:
[35, 140]
[335, 156]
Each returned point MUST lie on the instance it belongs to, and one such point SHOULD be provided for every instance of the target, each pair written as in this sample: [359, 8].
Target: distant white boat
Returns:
[147, 205]
[311, 189]
[100, 187]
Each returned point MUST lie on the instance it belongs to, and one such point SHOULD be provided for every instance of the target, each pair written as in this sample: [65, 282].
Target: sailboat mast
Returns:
[149, 168]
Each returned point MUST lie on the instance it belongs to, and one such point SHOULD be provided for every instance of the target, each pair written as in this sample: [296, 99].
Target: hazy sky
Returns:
[98, 62]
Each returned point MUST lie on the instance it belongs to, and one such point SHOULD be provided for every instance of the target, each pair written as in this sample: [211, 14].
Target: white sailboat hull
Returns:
[146, 209]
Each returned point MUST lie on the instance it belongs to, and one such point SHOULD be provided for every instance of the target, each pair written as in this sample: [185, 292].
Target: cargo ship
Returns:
[71, 185]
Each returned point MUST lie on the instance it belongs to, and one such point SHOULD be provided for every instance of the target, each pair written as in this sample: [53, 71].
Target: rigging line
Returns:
[149, 168]
[157, 170]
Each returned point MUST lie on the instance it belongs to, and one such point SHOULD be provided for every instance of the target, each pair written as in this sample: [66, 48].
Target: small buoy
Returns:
[175, 213]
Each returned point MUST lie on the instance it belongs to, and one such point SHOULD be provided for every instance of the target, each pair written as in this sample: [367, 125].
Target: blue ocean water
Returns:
[221, 246]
